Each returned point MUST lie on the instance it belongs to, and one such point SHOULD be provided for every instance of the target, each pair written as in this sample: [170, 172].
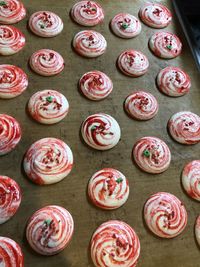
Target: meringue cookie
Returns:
[13, 81]
[48, 106]
[48, 161]
[87, 13]
[50, 230]
[101, 131]
[197, 230]
[11, 11]
[108, 189]
[165, 215]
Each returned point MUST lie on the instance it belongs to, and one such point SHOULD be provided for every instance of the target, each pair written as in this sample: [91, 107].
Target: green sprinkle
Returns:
[146, 153]
[119, 180]
[169, 47]
[124, 25]
[42, 26]
[93, 9]
[93, 127]
[48, 221]
[3, 3]
[49, 99]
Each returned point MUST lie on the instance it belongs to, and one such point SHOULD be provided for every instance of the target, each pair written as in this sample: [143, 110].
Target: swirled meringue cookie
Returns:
[155, 15]
[48, 106]
[50, 230]
[12, 40]
[48, 161]
[197, 230]
[165, 45]
[89, 43]
[13, 81]
[101, 131]
[184, 127]
[141, 105]
[152, 154]
[126, 25]
[45, 24]
[10, 198]
[108, 189]
[165, 215]
[133, 63]
[95, 85]
[10, 133]
[173, 81]
[47, 62]
[115, 243]
[87, 13]
[11, 11]
[10, 253]
[191, 179]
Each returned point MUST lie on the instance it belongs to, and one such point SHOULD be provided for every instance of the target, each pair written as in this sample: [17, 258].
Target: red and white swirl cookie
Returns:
[89, 43]
[95, 85]
[50, 230]
[141, 105]
[191, 179]
[165, 215]
[47, 62]
[115, 243]
[45, 24]
[10, 198]
[12, 40]
[108, 189]
[165, 45]
[133, 63]
[184, 127]
[173, 81]
[126, 25]
[10, 133]
[152, 154]
[87, 13]
[48, 161]
[101, 131]
[13, 81]
[197, 230]
[155, 15]
[48, 106]
[11, 11]
[10, 253]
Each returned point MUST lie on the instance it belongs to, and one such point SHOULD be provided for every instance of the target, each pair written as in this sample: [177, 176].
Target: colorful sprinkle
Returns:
[146, 153]
[49, 99]
[119, 180]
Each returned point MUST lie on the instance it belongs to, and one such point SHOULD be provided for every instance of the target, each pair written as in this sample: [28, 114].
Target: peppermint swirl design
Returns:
[115, 243]
[45, 24]
[48, 161]
[133, 63]
[155, 15]
[10, 253]
[13, 81]
[165, 215]
[95, 85]
[184, 127]
[10, 133]
[87, 13]
[10, 198]
[152, 154]
[11, 11]
[173, 81]
[12, 40]
[197, 229]
[89, 44]
[191, 179]
[141, 105]
[47, 62]
[108, 189]
[101, 131]
[48, 106]
[165, 45]
[126, 25]
[50, 230]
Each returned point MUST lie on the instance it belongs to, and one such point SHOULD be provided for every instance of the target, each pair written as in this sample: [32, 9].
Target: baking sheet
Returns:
[71, 192]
